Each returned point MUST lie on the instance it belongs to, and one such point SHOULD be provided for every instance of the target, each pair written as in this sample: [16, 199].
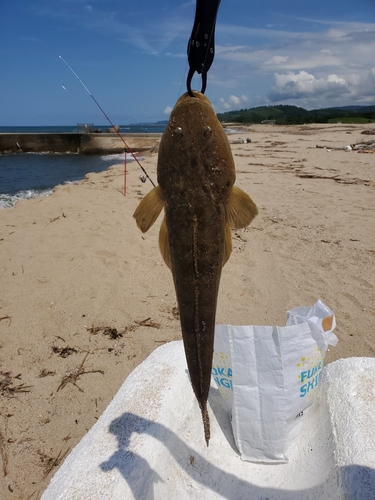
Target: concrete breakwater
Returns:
[85, 143]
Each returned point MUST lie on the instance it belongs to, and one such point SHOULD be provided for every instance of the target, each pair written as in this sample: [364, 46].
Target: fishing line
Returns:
[183, 80]
[115, 129]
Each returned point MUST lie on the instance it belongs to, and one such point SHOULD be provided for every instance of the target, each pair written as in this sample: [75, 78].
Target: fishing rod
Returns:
[114, 128]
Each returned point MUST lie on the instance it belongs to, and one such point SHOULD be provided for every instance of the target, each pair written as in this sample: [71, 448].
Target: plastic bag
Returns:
[268, 375]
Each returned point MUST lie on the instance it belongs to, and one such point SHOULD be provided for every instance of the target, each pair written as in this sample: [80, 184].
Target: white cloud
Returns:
[311, 68]
[233, 102]
[168, 110]
[303, 84]
[312, 91]
[275, 60]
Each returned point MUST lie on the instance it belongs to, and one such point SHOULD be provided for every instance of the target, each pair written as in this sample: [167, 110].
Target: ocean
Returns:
[27, 175]
[137, 128]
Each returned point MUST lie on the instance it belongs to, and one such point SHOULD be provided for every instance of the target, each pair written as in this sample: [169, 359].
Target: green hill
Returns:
[287, 115]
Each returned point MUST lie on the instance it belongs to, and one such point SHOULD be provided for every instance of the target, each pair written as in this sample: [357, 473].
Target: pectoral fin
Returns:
[240, 209]
[164, 243]
[149, 209]
[228, 244]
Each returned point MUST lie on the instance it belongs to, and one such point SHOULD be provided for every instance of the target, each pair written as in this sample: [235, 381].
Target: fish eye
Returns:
[207, 131]
[177, 132]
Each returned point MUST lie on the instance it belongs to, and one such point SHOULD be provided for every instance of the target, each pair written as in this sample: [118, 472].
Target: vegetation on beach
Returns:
[289, 115]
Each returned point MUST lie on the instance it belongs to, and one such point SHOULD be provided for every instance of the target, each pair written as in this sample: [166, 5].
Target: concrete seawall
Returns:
[75, 143]
[111, 143]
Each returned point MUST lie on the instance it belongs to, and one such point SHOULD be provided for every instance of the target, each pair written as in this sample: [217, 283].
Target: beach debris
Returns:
[275, 144]
[46, 373]
[56, 218]
[175, 313]
[364, 146]
[7, 387]
[237, 141]
[329, 148]
[64, 352]
[72, 376]
[337, 179]
[238, 236]
[4, 454]
[148, 322]
[196, 175]
[368, 132]
[7, 317]
[111, 332]
[114, 334]
[48, 463]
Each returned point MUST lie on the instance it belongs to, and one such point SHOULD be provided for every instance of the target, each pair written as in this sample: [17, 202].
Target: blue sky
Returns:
[132, 57]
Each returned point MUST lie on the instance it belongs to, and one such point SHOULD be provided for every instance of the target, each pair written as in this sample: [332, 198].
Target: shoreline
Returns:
[86, 296]
[30, 175]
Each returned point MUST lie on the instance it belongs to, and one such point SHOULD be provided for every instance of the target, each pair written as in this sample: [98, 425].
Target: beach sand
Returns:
[85, 296]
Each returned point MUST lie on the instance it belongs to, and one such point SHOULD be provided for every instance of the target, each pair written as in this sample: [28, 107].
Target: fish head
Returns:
[194, 154]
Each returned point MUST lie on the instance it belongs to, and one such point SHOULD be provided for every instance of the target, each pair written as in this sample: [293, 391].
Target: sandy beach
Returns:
[85, 296]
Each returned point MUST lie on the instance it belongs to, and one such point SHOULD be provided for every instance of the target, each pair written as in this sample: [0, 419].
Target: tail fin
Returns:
[206, 425]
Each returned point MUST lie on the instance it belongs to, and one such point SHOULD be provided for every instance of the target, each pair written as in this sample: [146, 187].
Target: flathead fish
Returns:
[196, 175]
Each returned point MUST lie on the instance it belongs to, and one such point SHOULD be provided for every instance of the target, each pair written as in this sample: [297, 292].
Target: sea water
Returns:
[137, 128]
[27, 175]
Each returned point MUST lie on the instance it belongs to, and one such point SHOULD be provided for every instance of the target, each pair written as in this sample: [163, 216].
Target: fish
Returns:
[196, 176]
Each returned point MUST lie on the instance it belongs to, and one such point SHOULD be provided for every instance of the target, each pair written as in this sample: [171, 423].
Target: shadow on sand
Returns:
[349, 483]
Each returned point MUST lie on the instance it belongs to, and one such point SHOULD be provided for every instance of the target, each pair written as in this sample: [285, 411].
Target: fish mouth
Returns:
[196, 96]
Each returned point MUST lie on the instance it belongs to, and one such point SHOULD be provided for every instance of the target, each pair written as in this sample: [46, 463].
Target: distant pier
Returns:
[84, 143]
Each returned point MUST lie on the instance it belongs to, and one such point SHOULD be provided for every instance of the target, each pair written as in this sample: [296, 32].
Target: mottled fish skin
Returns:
[196, 173]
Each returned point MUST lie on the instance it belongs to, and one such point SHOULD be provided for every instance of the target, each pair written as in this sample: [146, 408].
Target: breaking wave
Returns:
[119, 157]
[8, 201]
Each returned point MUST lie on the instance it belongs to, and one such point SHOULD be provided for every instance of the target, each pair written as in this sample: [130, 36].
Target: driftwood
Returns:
[75, 374]
[361, 146]
[364, 146]
[342, 148]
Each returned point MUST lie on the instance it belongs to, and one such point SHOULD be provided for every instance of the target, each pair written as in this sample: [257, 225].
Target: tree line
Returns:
[284, 114]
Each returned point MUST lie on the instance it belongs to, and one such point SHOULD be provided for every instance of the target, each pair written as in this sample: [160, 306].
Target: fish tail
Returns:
[206, 425]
